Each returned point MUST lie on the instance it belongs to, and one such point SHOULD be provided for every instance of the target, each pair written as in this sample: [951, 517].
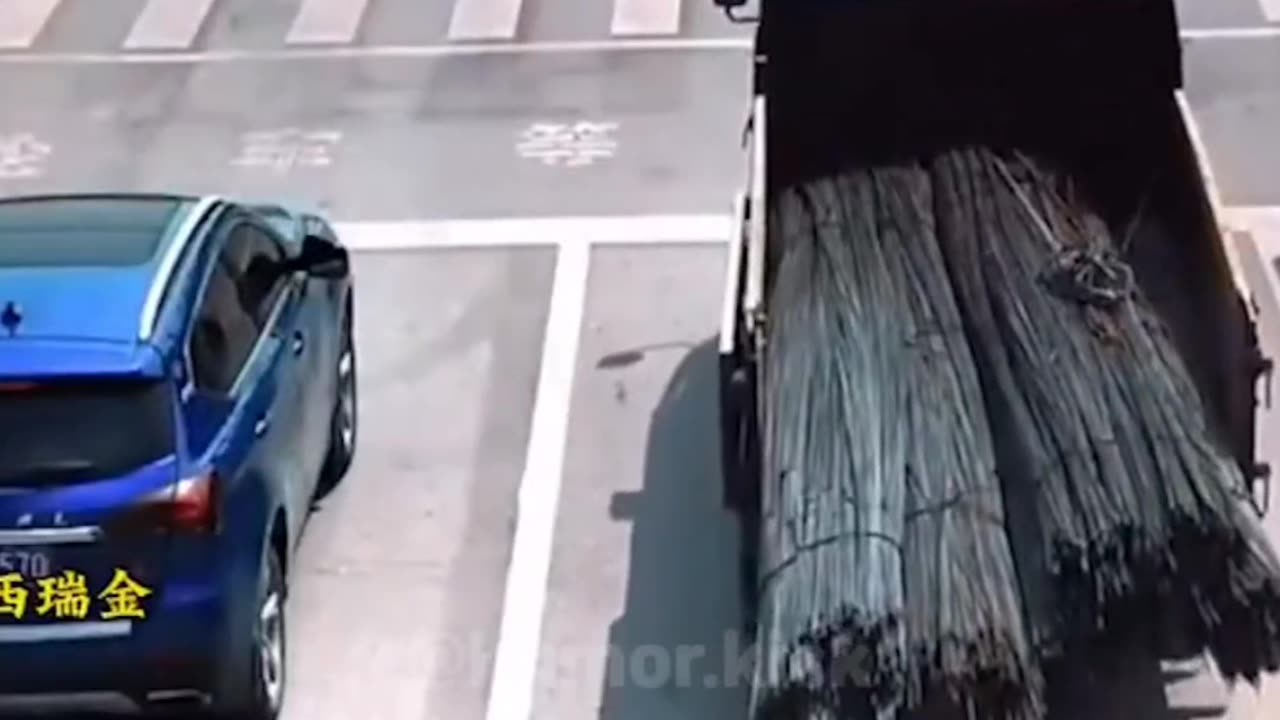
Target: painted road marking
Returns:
[545, 231]
[646, 17]
[1245, 33]
[484, 19]
[283, 149]
[563, 47]
[569, 145]
[22, 156]
[1270, 10]
[168, 24]
[384, 51]
[525, 596]
[22, 21]
[326, 21]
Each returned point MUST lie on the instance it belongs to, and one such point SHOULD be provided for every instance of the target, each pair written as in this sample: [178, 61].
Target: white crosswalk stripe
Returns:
[646, 17]
[176, 25]
[484, 19]
[168, 24]
[327, 22]
[22, 20]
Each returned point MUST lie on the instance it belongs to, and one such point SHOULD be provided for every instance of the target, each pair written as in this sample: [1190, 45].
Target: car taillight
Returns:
[189, 506]
[195, 504]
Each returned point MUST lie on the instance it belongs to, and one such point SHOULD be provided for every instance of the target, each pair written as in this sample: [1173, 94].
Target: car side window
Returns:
[223, 335]
[257, 261]
[245, 282]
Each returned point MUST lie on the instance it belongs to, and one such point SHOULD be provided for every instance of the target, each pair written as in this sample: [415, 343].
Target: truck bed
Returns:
[1096, 99]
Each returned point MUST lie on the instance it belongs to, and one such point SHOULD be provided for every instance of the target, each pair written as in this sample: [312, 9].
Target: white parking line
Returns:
[646, 17]
[548, 231]
[484, 19]
[22, 21]
[168, 24]
[1244, 33]
[326, 21]
[520, 634]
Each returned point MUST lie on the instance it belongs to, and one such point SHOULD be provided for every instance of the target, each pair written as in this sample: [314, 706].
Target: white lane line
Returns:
[524, 602]
[735, 44]
[1267, 216]
[646, 17]
[326, 21]
[484, 19]
[1271, 10]
[21, 21]
[1246, 33]
[550, 231]
[168, 24]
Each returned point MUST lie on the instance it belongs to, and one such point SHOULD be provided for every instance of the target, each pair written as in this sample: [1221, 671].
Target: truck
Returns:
[1098, 83]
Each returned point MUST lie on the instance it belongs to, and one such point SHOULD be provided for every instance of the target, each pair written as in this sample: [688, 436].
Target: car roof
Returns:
[91, 266]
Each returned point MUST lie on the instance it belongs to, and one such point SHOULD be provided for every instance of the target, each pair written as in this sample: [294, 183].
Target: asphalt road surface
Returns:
[540, 225]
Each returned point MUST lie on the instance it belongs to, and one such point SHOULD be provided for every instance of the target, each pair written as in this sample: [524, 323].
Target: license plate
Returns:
[30, 563]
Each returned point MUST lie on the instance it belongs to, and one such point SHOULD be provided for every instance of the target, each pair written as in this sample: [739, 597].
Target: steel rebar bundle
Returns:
[1127, 512]
[832, 502]
[887, 578]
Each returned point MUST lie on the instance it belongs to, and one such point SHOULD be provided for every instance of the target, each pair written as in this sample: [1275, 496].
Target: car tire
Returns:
[344, 422]
[267, 688]
[260, 696]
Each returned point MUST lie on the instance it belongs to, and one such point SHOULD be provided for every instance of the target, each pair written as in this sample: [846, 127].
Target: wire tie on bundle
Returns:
[1093, 275]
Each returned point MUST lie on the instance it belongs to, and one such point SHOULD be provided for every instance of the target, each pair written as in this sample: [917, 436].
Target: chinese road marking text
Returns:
[22, 155]
[285, 149]
[568, 144]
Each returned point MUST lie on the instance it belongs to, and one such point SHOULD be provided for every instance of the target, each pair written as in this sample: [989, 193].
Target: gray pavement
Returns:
[398, 591]
[1202, 14]
[403, 138]
[1234, 88]
[398, 587]
[642, 616]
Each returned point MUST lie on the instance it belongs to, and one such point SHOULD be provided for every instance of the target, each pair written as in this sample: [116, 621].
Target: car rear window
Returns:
[84, 232]
[76, 432]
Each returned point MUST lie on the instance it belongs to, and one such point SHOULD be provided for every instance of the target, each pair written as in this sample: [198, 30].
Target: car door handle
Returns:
[298, 343]
[260, 428]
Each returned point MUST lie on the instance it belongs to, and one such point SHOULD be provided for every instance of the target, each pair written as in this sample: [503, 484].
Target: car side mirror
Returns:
[321, 258]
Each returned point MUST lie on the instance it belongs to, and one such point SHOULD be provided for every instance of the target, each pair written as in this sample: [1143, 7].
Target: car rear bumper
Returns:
[172, 652]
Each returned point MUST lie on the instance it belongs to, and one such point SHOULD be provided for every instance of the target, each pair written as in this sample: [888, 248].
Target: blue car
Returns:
[177, 387]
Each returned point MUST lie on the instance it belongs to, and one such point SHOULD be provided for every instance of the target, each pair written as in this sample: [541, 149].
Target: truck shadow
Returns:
[677, 653]
[672, 652]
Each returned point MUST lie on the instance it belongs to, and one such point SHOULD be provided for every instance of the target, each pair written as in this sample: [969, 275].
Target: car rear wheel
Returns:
[344, 422]
[269, 646]
[261, 695]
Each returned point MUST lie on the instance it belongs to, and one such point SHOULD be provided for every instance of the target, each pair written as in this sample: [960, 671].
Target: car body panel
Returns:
[27, 359]
[89, 304]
